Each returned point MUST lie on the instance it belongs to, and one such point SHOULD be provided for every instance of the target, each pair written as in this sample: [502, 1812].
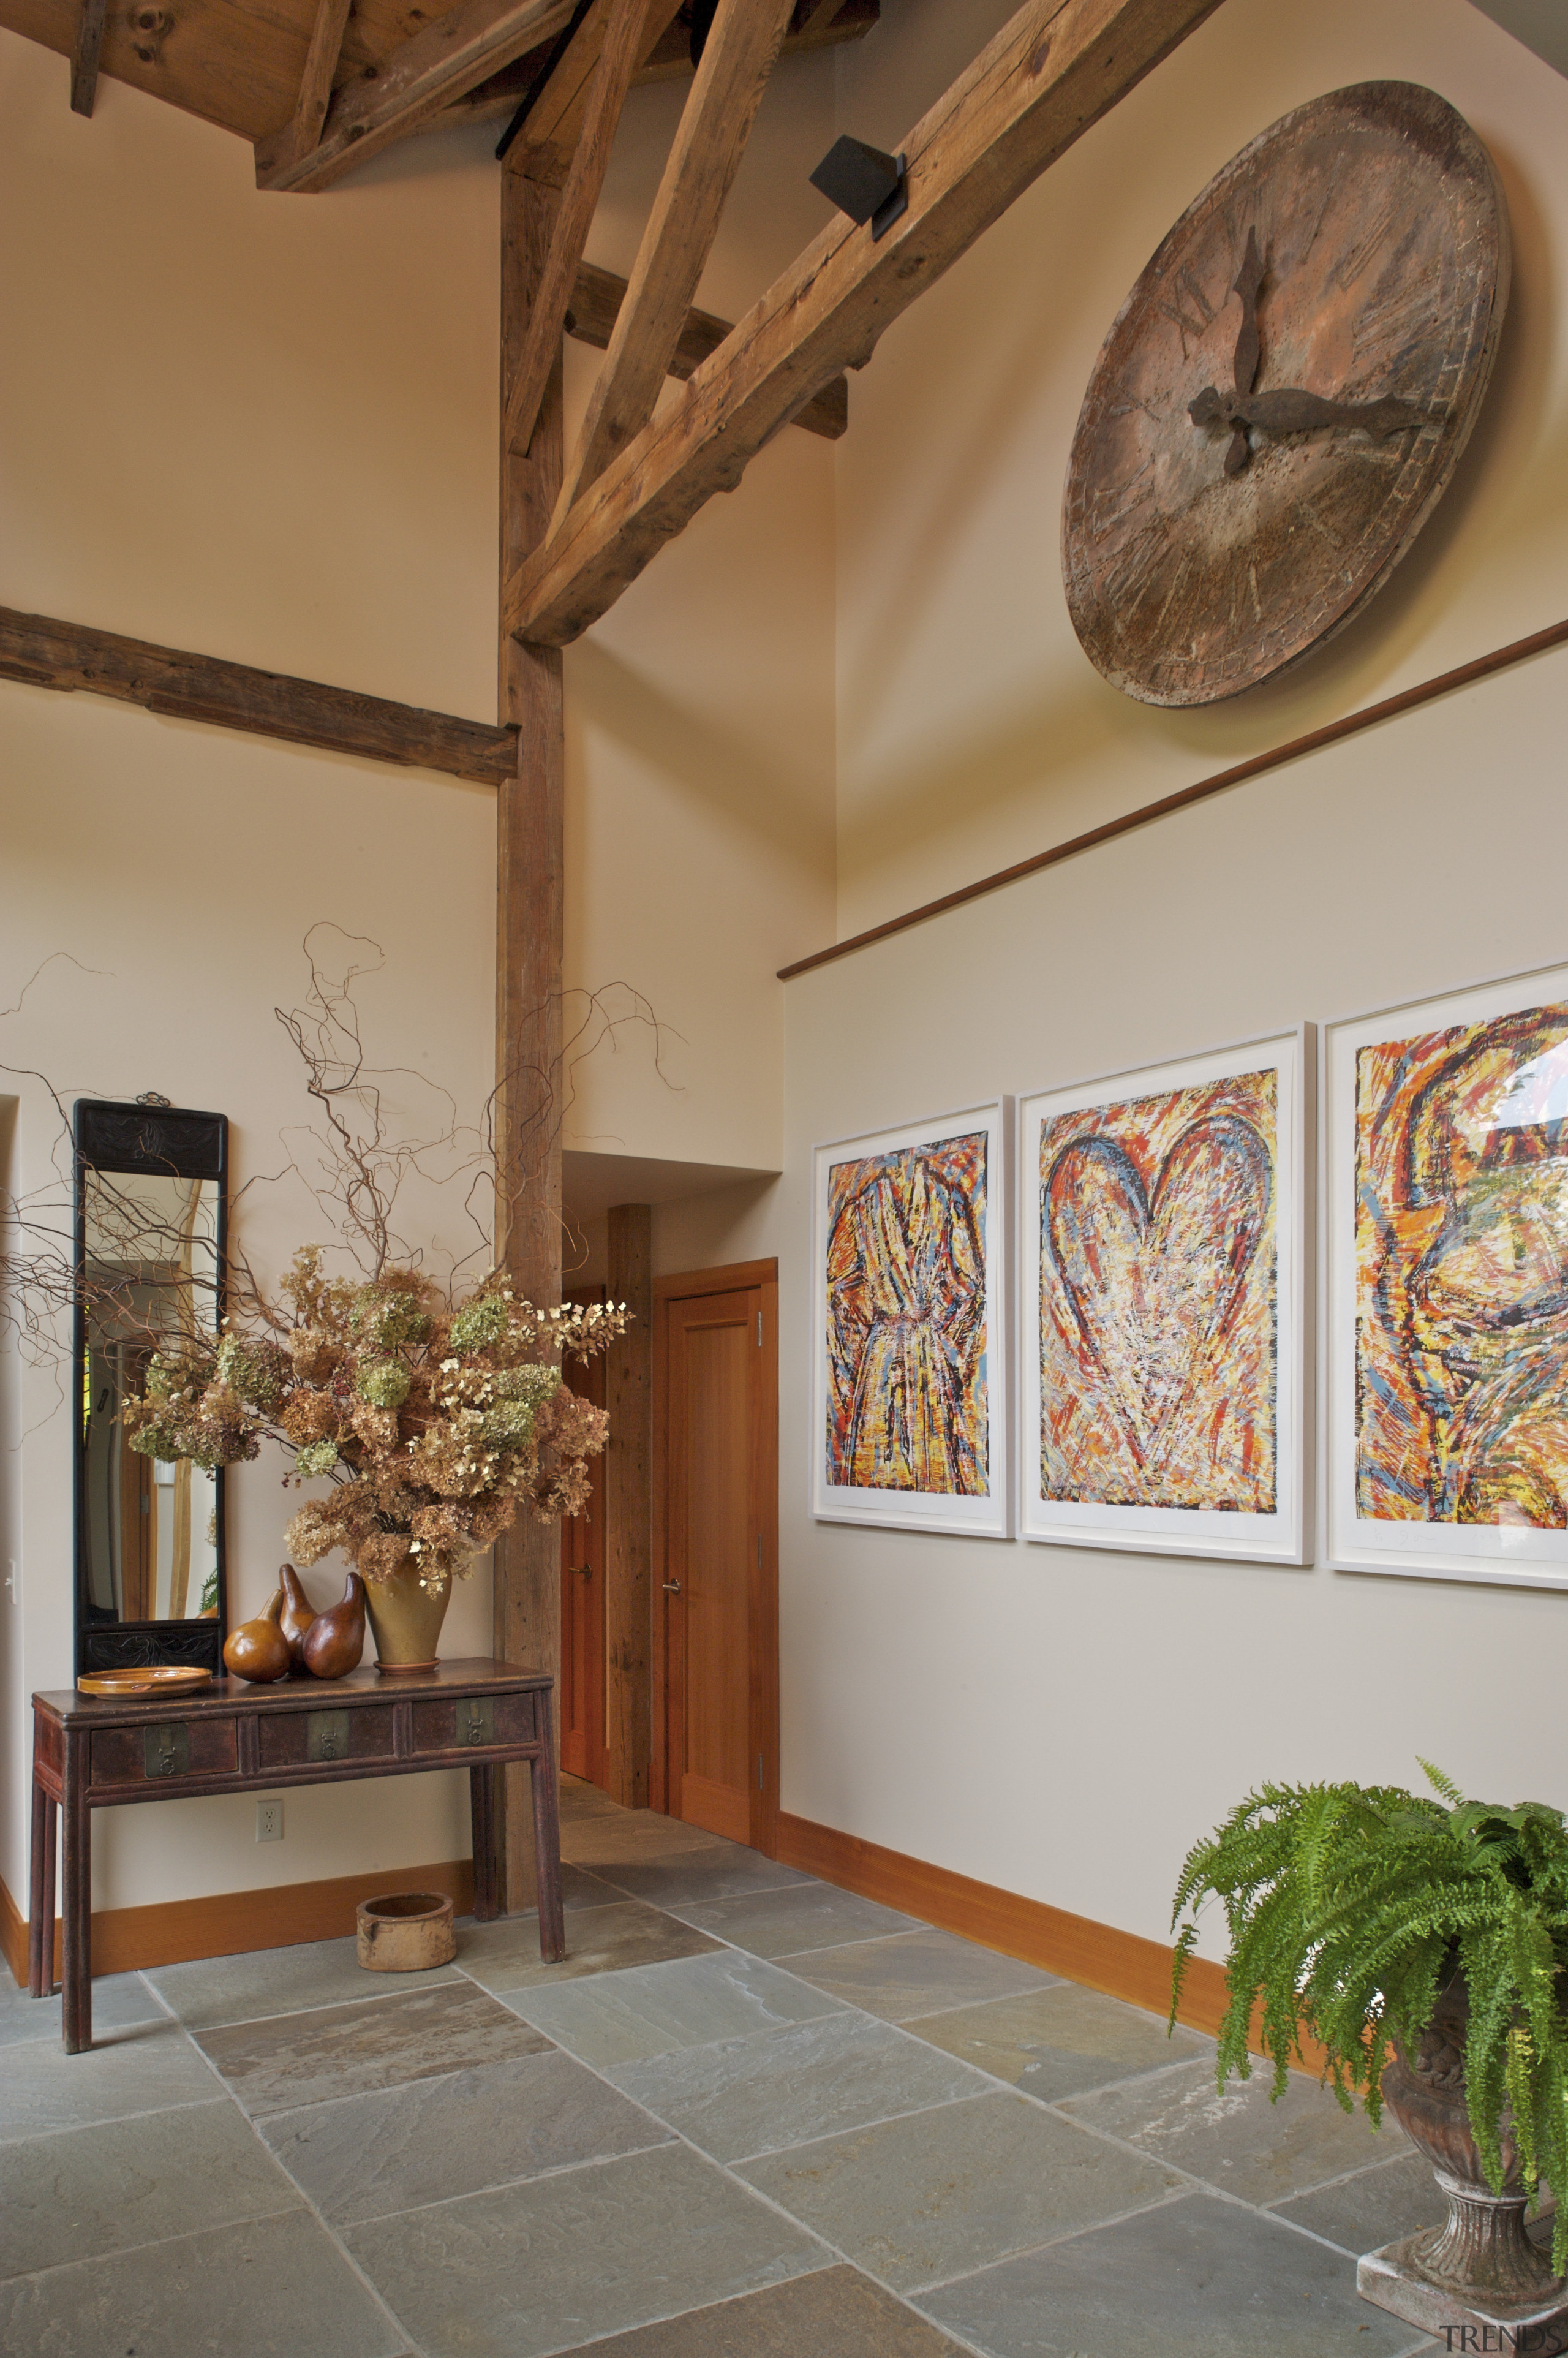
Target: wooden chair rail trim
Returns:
[1101, 1956]
[172, 1931]
[42, 653]
[733, 1277]
[1332, 733]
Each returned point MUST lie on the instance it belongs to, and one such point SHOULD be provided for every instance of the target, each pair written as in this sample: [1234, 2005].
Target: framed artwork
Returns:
[909, 1409]
[1446, 1150]
[1166, 1222]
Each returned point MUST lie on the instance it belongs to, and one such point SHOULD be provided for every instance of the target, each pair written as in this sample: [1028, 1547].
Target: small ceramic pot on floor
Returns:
[406, 1622]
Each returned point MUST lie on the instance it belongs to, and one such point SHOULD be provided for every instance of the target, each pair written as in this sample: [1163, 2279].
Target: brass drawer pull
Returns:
[476, 1721]
[327, 1738]
[165, 1748]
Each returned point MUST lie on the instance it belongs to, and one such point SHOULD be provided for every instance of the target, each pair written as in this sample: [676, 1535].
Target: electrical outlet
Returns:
[269, 1822]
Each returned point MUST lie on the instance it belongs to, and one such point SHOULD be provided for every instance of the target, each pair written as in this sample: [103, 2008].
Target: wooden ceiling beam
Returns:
[384, 101]
[86, 49]
[73, 657]
[667, 61]
[597, 299]
[1052, 71]
[725, 94]
[302, 136]
[547, 145]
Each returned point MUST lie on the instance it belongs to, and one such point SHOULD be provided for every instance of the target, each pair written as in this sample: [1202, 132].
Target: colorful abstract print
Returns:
[1461, 1274]
[1158, 1301]
[906, 1320]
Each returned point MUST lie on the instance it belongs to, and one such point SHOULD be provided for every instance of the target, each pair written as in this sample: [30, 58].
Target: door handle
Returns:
[583, 1571]
[672, 1587]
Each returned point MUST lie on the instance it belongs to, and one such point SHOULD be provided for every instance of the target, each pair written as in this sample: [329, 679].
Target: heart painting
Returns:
[1158, 1275]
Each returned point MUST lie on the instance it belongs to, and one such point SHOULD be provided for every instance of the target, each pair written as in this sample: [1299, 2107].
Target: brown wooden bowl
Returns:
[408, 1932]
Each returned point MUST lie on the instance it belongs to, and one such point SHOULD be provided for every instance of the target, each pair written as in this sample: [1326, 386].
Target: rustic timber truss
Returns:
[319, 92]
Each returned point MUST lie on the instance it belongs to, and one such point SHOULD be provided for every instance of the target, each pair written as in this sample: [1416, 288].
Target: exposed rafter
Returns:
[86, 49]
[1051, 72]
[302, 136]
[596, 302]
[384, 102]
[619, 24]
[708, 144]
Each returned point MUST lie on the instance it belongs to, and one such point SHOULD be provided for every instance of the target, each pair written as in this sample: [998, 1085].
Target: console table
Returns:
[92, 1751]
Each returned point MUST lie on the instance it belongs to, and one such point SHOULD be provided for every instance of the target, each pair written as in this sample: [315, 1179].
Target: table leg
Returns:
[547, 1842]
[77, 1963]
[481, 1799]
[40, 1894]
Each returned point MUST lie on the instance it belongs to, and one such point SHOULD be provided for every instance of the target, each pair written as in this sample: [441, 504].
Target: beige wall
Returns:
[1063, 1722]
[266, 427]
[972, 730]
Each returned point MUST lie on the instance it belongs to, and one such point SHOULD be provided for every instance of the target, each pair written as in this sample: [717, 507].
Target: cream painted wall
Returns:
[266, 429]
[972, 729]
[1065, 1723]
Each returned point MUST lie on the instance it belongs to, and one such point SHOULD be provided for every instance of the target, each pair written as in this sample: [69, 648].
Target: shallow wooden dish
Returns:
[168, 1679]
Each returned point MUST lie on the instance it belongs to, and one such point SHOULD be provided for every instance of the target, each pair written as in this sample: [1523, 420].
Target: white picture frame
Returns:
[1437, 1350]
[871, 1355]
[1108, 1414]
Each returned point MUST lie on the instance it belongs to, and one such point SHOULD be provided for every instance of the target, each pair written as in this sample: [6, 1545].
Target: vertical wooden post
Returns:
[528, 935]
[628, 1482]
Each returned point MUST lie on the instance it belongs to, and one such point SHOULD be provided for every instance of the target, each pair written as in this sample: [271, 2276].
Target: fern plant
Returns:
[1349, 1907]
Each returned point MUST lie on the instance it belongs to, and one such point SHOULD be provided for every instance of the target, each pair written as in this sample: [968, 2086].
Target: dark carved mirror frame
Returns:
[159, 1141]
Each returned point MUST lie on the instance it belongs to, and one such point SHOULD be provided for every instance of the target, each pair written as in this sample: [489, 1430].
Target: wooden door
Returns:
[716, 1622]
[581, 1694]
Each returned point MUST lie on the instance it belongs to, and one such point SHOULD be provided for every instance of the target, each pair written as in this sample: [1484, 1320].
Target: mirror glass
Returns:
[150, 1244]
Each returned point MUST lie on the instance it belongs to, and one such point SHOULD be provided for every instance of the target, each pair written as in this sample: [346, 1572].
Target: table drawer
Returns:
[328, 1732]
[473, 1720]
[164, 1752]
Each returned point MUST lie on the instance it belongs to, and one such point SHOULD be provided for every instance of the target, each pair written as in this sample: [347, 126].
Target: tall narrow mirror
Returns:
[151, 1185]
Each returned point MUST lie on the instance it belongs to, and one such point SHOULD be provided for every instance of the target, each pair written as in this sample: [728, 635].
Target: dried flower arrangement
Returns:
[434, 1422]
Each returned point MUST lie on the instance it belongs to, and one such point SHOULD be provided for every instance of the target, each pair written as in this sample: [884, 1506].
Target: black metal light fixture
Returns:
[864, 183]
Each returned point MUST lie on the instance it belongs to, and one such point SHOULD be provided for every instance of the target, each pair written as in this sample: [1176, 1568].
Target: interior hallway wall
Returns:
[264, 427]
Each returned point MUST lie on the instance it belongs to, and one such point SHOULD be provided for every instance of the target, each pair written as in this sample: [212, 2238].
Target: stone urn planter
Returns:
[406, 1622]
[1480, 2268]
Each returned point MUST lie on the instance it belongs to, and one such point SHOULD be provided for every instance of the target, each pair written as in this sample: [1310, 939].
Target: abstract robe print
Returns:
[1461, 1274]
[1159, 1300]
[906, 1320]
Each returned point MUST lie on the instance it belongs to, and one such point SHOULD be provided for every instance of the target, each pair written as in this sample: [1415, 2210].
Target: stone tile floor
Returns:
[750, 2116]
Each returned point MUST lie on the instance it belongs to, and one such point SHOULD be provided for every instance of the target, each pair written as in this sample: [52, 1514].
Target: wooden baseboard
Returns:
[1123, 1964]
[171, 1931]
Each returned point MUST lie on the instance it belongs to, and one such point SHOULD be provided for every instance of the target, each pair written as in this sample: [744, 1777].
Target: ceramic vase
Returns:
[406, 1622]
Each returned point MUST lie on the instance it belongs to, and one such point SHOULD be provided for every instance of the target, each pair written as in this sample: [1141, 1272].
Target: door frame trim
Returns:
[736, 1277]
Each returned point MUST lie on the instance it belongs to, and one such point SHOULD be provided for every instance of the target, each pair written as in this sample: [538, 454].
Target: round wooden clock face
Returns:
[1284, 394]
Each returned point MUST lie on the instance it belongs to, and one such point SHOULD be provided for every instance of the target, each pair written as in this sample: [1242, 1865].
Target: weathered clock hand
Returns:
[1292, 411]
[1248, 348]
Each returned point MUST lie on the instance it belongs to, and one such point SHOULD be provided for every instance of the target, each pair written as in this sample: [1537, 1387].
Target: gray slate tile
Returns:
[119, 2001]
[502, 1958]
[435, 2139]
[600, 1841]
[686, 1876]
[144, 2069]
[917, 2200]
[119, 2183]
[653, 2009]
[1060, 2042]
[1376, 2207]
[589, 2252]
[806, 1916]
[345, 2050]
[275, 2288]
[1193, 2279]
[1238, 2140]
[782, 2087]
[837, 2313]
[278, 1981]
[917, 1974]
